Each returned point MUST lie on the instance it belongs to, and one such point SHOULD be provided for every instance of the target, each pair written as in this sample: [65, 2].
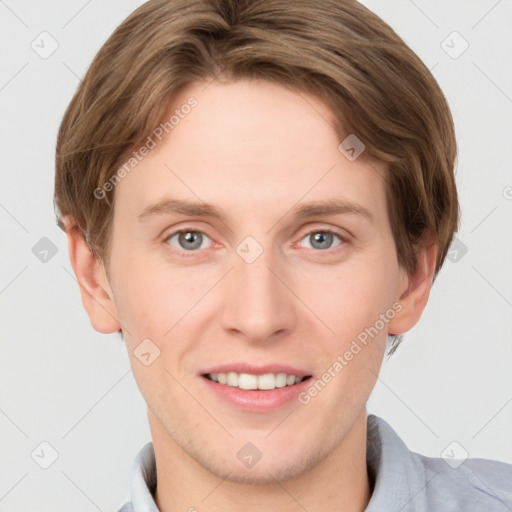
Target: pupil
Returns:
[190, 240]
[322, 240]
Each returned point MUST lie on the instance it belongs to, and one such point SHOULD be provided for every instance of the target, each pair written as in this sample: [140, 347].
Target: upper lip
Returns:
[256, 370]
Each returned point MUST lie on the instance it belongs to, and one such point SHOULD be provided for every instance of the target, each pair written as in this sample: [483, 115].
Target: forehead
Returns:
[250, 146]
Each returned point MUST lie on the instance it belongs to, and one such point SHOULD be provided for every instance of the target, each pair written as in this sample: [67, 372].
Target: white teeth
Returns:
[266, 381]
[280, 380]
[246, 381]
[232, 379]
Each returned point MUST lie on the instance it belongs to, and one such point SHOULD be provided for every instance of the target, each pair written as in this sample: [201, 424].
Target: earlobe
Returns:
[95, 290]
[414, 295]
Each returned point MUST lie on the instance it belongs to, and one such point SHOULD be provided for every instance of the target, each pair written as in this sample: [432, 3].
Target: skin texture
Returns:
[255, 151]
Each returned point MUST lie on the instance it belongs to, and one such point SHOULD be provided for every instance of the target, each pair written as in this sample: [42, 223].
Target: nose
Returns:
[260, 307]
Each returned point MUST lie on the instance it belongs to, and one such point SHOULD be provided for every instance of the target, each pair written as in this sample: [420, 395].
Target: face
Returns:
[269, 252]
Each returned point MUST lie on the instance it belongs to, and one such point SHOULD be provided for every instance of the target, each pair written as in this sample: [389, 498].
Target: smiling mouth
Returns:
[247, 381]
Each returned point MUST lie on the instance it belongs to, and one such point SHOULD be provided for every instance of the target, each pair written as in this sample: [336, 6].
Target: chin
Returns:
[264, 471]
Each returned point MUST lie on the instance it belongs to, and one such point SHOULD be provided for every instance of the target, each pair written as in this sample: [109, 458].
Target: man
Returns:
[256, 194]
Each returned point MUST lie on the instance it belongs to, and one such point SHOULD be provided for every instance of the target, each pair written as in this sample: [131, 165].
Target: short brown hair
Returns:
[375, 85]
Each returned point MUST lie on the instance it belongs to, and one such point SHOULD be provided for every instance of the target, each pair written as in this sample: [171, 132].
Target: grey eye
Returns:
[188, 240]
[321, 240]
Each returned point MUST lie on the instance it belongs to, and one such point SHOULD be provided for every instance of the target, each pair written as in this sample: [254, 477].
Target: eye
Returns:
[322, 240]
[189, 240]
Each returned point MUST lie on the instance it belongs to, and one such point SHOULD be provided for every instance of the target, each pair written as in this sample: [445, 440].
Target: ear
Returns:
[97, 296]
[414, 292]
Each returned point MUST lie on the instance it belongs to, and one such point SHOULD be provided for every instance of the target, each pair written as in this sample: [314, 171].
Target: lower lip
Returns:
[256, 400]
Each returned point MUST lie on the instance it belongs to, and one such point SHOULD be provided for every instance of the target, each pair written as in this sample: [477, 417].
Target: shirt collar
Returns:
[395, 474]
[143, 480]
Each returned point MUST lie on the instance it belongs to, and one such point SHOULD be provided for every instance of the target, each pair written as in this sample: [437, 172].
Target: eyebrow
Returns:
[331, 207]
[167, 205]
[312, 209]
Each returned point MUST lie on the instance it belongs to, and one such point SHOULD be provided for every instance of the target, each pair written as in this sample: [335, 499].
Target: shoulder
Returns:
[420, 483]
[470, 484]
[127, 507]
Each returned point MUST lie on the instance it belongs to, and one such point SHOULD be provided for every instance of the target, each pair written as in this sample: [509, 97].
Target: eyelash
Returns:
[341, 238]
[192, 253]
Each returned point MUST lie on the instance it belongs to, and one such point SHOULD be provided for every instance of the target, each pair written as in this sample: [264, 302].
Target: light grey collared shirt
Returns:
[404, 481]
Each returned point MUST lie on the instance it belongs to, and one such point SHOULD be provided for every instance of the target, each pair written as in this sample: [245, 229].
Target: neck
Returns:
[338, 482]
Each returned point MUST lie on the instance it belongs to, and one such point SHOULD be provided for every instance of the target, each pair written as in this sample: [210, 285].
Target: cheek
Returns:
[352, 304]
[139, 295]
[352, 298]
[153, 299]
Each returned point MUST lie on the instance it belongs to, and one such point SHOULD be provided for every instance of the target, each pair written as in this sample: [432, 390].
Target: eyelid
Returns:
[188, 229]
[320, 227]
[169, 232]
[343, 238]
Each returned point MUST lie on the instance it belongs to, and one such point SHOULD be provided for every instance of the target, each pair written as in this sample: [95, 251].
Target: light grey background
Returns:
[63, 383]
